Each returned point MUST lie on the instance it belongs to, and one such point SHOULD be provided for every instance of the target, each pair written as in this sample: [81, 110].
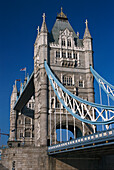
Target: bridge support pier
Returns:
[36, 158]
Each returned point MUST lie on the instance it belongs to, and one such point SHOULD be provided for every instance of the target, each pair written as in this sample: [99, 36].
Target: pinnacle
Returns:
[87, 33]
[15, 87]
[44, 26]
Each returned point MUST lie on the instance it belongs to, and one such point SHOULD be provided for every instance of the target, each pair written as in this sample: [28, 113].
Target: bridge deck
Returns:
[105, 138]
[27, 93]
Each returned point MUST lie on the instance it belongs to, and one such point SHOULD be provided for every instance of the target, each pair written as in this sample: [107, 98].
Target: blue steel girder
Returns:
[54, 82]
[91, 141]
[107, 87]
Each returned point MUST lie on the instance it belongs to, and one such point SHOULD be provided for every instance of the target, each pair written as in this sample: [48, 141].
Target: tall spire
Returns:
[87, 33]
[44, 27]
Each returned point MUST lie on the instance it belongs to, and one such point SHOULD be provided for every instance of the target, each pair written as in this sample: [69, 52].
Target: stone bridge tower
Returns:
[69, 57]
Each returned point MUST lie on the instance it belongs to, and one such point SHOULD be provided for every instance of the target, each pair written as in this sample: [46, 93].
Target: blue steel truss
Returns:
[107, 87]
[93, 105]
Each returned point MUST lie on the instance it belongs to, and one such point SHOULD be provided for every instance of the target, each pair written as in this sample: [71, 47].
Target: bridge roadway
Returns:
[26, 94]
[102, 141]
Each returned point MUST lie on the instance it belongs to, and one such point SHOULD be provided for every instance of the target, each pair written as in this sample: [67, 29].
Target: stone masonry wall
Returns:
[32, 158]
[26, 158]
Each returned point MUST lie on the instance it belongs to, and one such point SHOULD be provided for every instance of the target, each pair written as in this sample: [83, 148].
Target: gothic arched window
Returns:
[19, 121]
[21, 134]
[58, 54]
[64, 54]
[27, 133]
[63, 42]
[32, 105]
[69, 55]
[69, 43]
[29, 105]
[27, 121]
[75, 56]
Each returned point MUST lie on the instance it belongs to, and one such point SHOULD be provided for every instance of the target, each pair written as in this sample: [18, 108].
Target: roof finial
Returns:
[38, 29]
[44, 16]
[61, 10]
[86, 23]
[61, 15]
[15, 82]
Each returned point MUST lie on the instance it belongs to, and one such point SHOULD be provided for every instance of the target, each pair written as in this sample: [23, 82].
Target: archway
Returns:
[65, 134]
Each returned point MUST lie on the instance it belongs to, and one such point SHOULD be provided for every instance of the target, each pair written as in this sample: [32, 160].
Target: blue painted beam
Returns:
[49, 73]
[97, 77]
[90, 141]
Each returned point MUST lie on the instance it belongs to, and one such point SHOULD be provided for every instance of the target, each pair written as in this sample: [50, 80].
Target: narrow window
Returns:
[63, 79]
[69, 55]
[29, 105]
[64, 54]
[67, 80]
[63, 42]
[57, 54]
[75, 56]
[13, 165]
[69, 43]
[52, 103]
[57, 104]
[80, 83]
[33, 105]
[19, 121]
[27, 121]
[27, 133]
[71, 81]
[21, 134]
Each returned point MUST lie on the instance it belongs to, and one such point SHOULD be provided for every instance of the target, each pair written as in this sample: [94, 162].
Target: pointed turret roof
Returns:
[87, 33]
[61, 24]
[44, 26]
[61, 15]
[15, 88]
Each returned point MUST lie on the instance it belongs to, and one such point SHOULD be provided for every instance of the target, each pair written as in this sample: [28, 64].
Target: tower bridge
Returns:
[59, 95]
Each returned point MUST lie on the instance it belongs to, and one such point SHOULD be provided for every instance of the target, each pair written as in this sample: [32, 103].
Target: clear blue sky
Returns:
[19, 20]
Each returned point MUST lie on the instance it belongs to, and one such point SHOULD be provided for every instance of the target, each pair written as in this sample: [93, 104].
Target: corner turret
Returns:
[14, 94]
[40, 82]
[13, 113]
[87, 42]
[87, 39]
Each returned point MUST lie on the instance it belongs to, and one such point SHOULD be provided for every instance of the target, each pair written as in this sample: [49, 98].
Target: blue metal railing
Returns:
[96, 139]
